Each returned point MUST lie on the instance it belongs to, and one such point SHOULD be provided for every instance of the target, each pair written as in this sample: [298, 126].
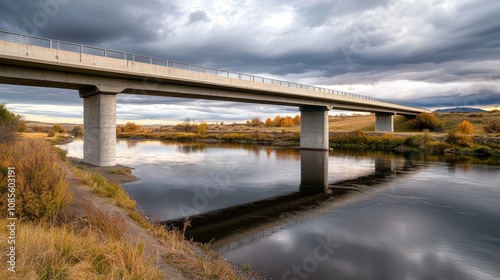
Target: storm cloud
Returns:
[425, 53]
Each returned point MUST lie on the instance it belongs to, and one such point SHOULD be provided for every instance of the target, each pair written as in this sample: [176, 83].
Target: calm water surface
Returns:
[324, 215]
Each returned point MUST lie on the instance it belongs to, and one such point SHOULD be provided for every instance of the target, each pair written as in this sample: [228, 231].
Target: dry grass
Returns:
[102, 187]
[33, 135]
[478, 120]
[41, 186]
[75, 250]
[352, 123]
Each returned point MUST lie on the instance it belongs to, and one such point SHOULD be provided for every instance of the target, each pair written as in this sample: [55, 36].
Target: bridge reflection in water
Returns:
[315, 195]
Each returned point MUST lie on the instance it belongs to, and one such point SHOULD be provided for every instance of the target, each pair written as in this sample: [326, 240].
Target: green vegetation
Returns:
[77, 131]
[428, 121]
[453, 143]
[102, 187]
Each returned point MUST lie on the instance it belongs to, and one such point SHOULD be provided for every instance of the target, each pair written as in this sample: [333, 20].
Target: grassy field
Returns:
[478, 120]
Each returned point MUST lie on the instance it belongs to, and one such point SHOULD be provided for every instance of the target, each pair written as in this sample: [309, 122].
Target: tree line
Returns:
[277, 121]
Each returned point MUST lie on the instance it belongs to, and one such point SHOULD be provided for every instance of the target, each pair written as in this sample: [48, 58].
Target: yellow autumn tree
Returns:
[277, 120]
[286, 122]
[465, 127]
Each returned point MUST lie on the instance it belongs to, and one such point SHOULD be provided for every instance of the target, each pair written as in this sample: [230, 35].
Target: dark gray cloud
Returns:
[448, 49]
[38, 96]
[89, 22]
[198, 16]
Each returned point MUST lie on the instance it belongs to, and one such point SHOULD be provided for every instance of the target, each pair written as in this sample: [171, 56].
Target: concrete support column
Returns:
[314, 128]
[384, 122]
[99, 129]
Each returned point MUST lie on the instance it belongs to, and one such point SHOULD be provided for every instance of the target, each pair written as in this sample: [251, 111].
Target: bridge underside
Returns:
[100, 127]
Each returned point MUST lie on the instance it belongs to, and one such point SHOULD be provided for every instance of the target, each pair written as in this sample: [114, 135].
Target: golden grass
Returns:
[46, 250]
[102, 187]
[33, 135]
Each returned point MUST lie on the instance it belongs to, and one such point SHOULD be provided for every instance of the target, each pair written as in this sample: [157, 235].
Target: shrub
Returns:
[132, 127]
[493, 126]
[58, 128]
[41, 187]
[420, 141]
[9, 124]
[255, 121]
[461, 140]
[428, 121]
[202, 128]
[77, 131]
[51, 133]
[465, 127]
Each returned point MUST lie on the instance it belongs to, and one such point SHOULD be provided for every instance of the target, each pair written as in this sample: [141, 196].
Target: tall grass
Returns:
[41, 186]
[102, 187]
[75, 250]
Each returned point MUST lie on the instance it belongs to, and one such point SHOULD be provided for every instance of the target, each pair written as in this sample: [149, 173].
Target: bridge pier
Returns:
[99, 127]
[384, 122]
[314, 128]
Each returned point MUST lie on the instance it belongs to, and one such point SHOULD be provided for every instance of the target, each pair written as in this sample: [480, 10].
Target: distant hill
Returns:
[460, 110]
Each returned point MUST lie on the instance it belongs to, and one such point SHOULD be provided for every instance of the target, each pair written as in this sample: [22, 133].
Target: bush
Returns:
[493, 126]
[9, 124]
[465, 127]
[428, 121]
[77, 131]
[58, 128]
[202, 128]
[41, 187]
[420, 141]
[461, 140]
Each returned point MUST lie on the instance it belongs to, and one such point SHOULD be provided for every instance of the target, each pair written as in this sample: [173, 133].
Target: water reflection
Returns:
[380, 216]
[192, 148]
[313, 171]
[314, 196]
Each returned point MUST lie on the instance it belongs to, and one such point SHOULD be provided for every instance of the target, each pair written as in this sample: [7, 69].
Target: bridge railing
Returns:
[83, 49]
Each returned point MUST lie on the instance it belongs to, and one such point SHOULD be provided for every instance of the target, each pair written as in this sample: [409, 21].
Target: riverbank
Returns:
[168, 250]
[410, 142]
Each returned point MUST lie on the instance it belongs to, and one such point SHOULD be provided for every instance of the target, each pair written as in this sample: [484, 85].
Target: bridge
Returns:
[99, 75]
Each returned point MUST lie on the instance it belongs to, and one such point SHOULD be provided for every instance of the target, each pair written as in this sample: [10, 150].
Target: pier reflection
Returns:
[315, 194]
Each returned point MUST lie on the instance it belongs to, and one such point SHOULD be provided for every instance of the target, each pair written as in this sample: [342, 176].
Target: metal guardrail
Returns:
[83, 49]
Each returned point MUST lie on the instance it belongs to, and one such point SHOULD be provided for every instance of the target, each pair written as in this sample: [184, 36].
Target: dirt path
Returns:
[84, 201]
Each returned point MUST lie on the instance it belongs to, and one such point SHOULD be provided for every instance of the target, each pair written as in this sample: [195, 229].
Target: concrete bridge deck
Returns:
[100, 74]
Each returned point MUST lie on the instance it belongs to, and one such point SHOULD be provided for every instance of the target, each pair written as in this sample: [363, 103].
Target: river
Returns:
[324, 215]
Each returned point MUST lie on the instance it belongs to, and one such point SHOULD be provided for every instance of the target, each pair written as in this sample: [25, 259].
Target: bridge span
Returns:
[100, 74]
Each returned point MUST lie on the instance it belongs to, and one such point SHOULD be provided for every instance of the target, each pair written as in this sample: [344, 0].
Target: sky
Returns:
[432, 54]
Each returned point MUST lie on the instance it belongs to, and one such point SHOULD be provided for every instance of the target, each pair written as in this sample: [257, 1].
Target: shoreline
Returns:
[137, 227]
